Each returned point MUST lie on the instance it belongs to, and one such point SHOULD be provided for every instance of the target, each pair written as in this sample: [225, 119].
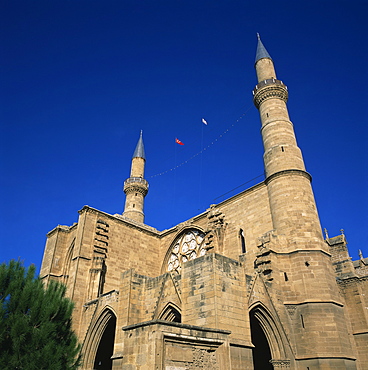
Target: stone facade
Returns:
[248, 284]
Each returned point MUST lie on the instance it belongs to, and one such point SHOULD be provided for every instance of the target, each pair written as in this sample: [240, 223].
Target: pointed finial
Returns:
[139, 149]
[258, 37]
[360, 254]
[326, 233]
[342, 231]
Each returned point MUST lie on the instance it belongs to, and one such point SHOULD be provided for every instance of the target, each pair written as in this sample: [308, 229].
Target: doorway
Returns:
[261, 350]
[105, 348]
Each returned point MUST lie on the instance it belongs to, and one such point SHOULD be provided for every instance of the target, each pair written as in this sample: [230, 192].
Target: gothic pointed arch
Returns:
[98, 345]
[68, 260]
[187, 245]
[171, 312]
[270, 345]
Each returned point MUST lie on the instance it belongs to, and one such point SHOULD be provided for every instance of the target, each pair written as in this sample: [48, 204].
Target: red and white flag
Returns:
[204, 121]
[178, 141]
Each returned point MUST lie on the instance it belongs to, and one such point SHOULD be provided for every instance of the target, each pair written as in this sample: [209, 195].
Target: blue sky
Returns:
[80, 79]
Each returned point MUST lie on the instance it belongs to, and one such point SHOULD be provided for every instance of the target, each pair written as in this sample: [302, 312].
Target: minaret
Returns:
[301, 253]
[136, 187]
[293, 207]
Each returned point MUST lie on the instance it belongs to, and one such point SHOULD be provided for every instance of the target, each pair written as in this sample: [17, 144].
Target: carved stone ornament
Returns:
[280, 364]
[202, 359]
[262, 263]
[291, 308]
[216, 227]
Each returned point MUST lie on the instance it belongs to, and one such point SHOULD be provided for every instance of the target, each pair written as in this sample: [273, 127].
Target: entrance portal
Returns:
[261, 351]
[106, 347]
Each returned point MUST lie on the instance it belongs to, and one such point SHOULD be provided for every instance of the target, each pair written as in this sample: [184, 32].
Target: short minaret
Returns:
[293, 207]
[136, 187]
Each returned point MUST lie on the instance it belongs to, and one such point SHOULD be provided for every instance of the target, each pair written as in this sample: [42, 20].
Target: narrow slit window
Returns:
[286, 277]
[302, 320]
[242, 241]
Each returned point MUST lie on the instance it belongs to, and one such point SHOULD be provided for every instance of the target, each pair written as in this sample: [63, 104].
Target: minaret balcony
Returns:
[134, 180]
[270, 88]
[269, 81]
[136, 184]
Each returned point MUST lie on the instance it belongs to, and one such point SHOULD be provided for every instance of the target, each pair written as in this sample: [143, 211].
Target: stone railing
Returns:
[268, 89]
[269, 81]
[135, 180]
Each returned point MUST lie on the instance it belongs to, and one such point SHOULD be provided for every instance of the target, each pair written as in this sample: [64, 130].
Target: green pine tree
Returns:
[35, 322]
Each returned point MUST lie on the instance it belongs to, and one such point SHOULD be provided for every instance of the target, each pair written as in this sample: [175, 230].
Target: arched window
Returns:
[242, 241]
[187, 246]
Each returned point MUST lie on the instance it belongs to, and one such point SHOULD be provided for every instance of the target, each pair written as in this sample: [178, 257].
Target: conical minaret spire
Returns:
[139, 149]
[261, 50]
[136, 187]
[264, 64]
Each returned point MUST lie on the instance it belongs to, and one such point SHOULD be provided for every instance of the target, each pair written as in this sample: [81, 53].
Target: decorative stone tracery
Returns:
[188, 246]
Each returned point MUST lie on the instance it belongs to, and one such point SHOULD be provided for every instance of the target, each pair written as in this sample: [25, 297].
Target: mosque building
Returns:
[251, 283]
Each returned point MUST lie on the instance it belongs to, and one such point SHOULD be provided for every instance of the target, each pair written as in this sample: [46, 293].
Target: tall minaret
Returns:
[293, 207]
[301, 253]
[136, 187]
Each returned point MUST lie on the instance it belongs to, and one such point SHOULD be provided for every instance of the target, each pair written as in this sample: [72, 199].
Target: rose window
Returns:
[187, 247]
